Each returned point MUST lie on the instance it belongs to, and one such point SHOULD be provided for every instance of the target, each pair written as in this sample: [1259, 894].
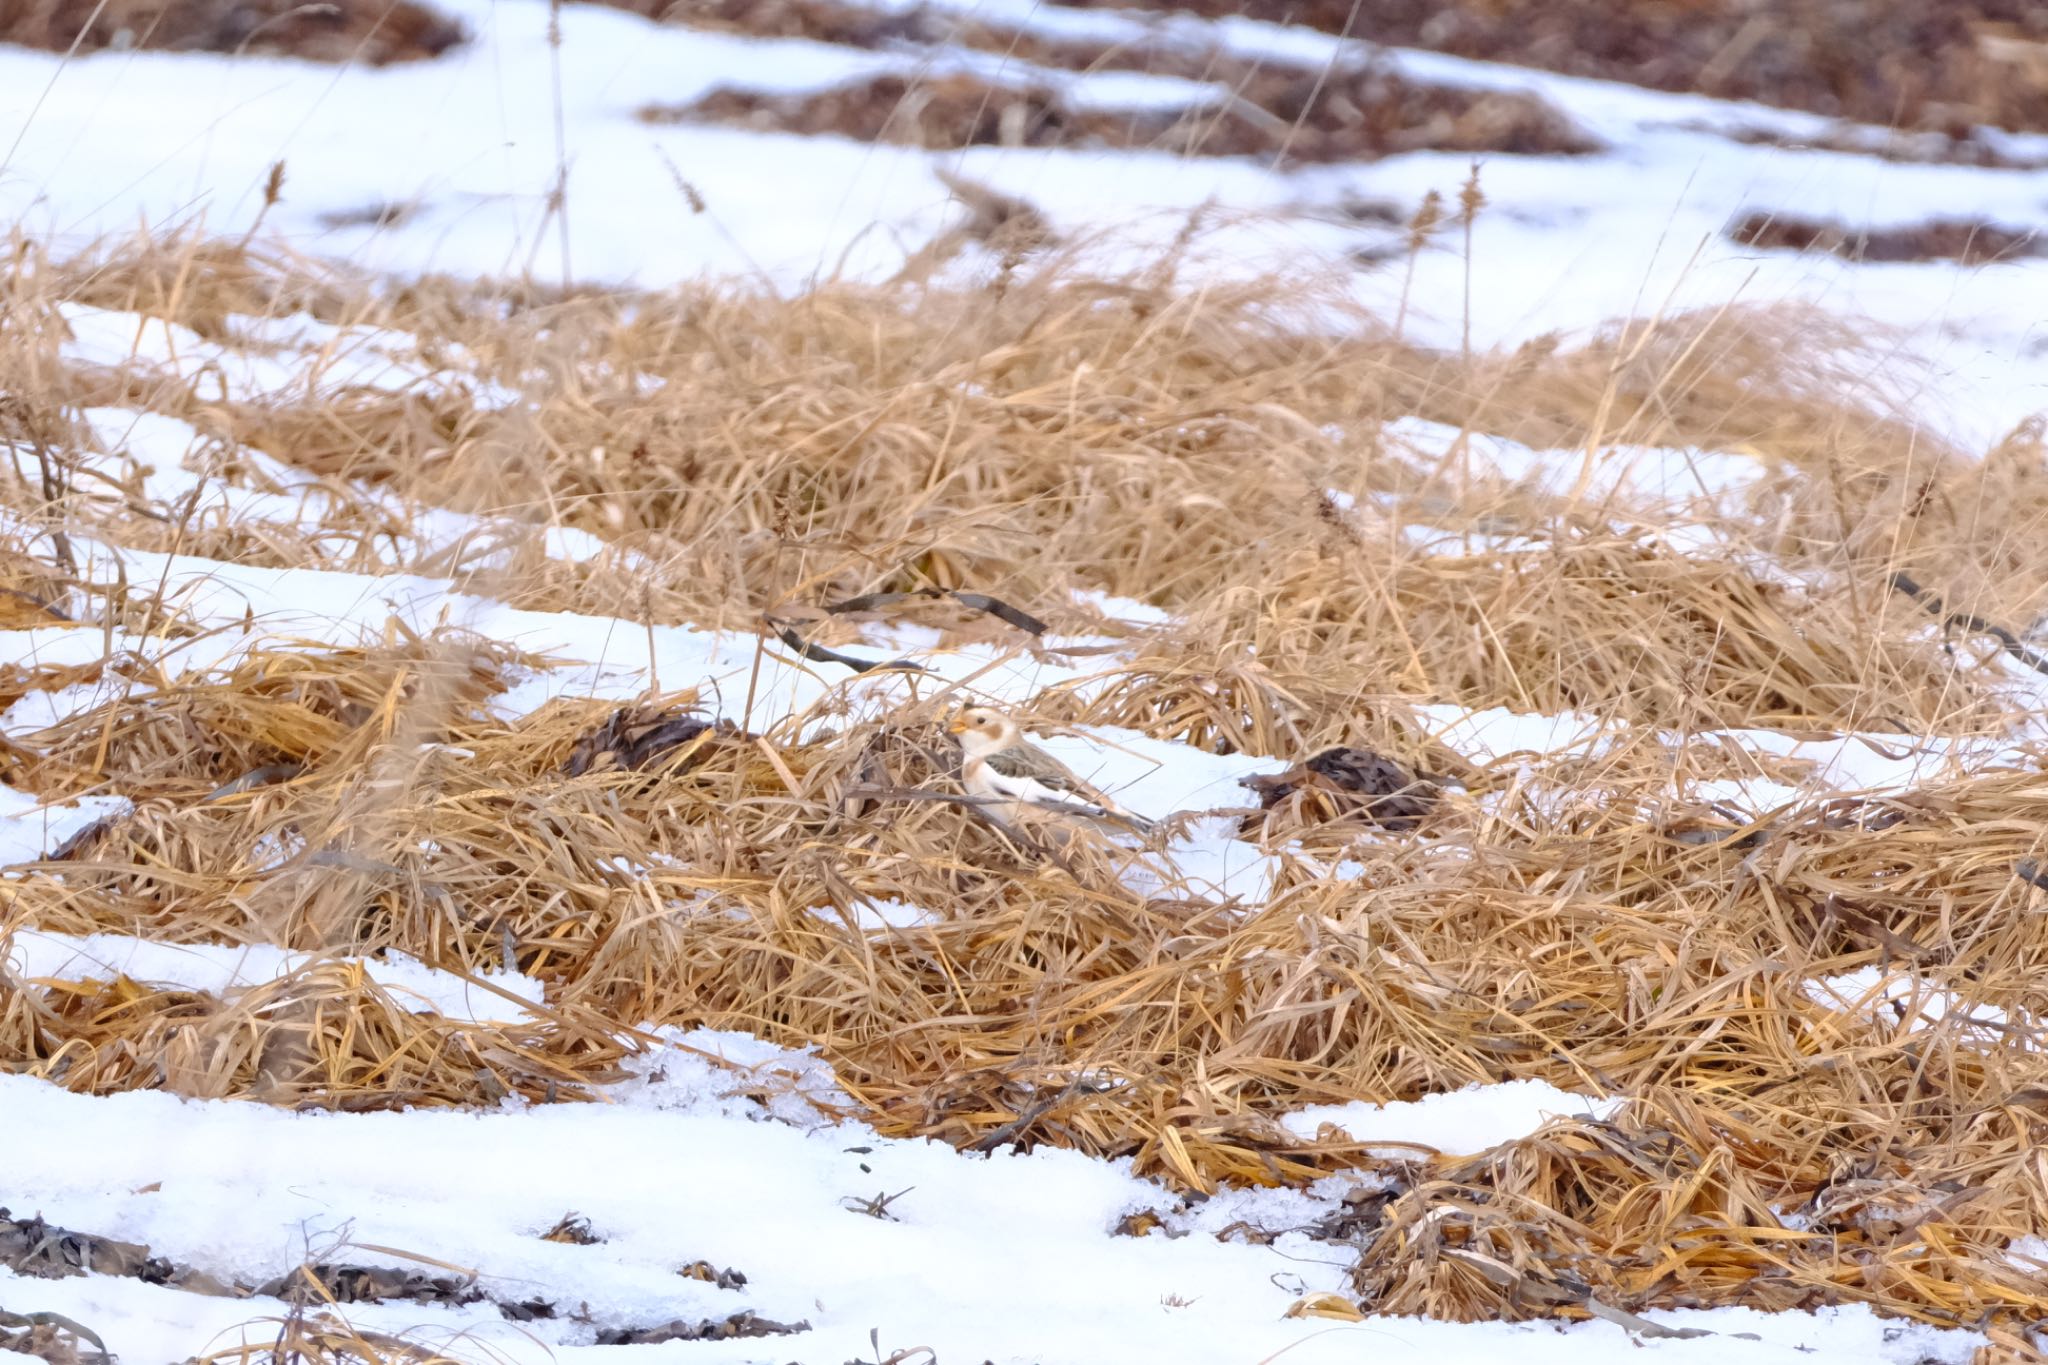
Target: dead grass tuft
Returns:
[325, 1037]
[1972, 243]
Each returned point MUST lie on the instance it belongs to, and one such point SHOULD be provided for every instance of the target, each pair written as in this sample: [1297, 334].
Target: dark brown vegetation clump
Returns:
[1971, 243]
[372, 32]
[1939, 65]
[1278, 113]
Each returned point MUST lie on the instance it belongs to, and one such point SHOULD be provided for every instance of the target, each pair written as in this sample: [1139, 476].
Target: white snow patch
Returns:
[1157, 778]
[54, 646]
[2029, 1253]
[41, 709]
[352, 358]
[1899, 1001]
[1489, 735]
[1458, 1124]
[686, 1166]
[1128, 611]
[876, 916]
[1647, 478]
[29, 829]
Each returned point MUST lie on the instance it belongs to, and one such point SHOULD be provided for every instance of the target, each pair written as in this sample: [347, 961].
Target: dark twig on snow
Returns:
[1900, 582]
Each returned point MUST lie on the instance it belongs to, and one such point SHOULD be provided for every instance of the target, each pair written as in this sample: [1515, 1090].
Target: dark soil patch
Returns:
[1971, 243]
[1921, 64]
[1278, 116]
[374, 32]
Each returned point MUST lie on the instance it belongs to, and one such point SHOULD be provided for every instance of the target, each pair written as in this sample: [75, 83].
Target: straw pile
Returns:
[1586, 917]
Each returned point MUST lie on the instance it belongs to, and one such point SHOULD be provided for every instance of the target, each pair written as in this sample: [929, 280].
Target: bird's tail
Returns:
[1136, 824]
[1123, 819]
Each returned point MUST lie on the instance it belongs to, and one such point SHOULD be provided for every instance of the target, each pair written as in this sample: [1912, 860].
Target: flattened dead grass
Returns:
[375, 32]
[1591, 918]
[1277, 111]
[1289, 117]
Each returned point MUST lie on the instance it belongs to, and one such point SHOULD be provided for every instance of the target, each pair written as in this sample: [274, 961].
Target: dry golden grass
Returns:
[1584, 918]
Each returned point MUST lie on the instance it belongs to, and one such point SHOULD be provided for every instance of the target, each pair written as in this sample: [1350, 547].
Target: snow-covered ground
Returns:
[1002, 1257]
[466, 144]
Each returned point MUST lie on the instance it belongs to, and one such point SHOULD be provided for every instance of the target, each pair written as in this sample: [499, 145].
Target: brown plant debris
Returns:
[1909, 63]
[323, 1338]
[373, 32]
[1971, 243]
[34, 1248]
[1315, 103]
[737, 1326]
[711, 1274]
[1307, 116]
[377, 214]
[1937, 70]
[572, 1229]
[316, 1283]
[51, 1337]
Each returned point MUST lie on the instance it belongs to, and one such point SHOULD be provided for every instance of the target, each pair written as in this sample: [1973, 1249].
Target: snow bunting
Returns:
[1017, 779]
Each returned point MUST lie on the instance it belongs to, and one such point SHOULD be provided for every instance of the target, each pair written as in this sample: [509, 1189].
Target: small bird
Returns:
[1353, 782]
[1017, 779]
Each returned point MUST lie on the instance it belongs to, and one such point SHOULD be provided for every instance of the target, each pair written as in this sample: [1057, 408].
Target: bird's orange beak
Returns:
[957, 726]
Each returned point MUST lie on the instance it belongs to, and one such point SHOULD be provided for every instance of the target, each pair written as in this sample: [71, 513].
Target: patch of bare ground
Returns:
[1971, 243]
[1269, 109]
[375, 32]
[1292, 117]
[1593, 918]
[1934, 65]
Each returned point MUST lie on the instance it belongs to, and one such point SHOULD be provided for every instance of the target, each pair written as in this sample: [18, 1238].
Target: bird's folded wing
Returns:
[1023, 764]
[1048, 796]
[1036, 778]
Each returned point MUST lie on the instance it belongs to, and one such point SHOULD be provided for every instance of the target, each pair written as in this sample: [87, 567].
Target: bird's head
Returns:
[982, 731]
